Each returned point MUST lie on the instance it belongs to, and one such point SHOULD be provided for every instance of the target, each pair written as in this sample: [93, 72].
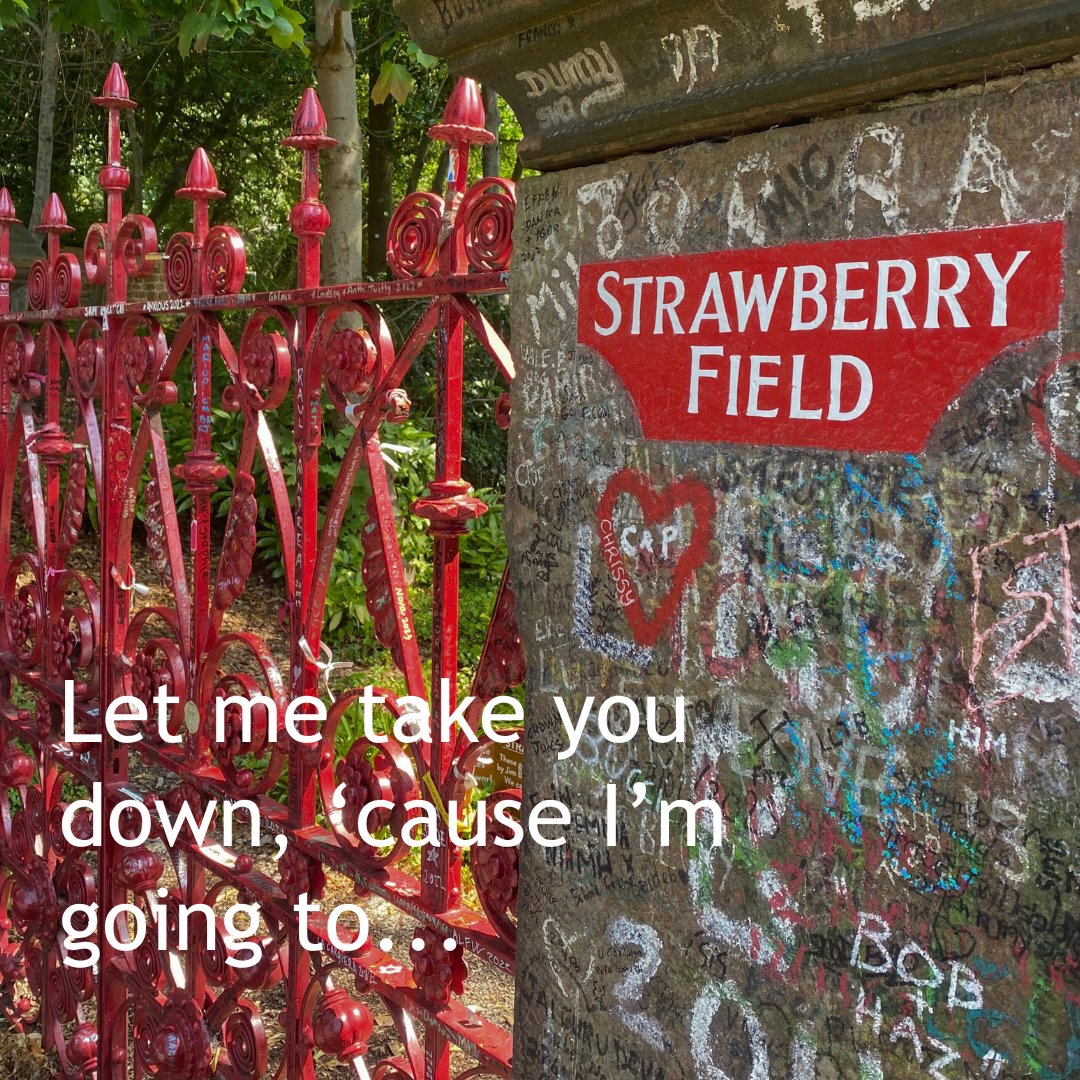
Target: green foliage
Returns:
[346, 602]
[418, 56]
[483, 547]
[411, 460]
[395, 78]
[134, 20]
[12, 11]
[226, 75]
[394, 81]
[282, 24]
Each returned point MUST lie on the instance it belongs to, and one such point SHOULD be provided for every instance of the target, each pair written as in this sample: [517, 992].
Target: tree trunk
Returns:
[420, 157]
[135, 160]
[423, 147]
[50, 75]
[380, 205]
[438, 185]
[492, 163]
[380, 127]
[335, 72]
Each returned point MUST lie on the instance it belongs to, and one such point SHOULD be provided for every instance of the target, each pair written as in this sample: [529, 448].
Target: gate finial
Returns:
[53, 217]
[7, 267]
[309, 219]
[7, 208]
[201, 181]
[463, 118]
[461, 129]
[114, 94]
[309, 125]
[113, 179]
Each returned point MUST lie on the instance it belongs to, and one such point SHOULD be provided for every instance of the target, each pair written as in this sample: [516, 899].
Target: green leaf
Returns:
[12, 11]
[416, 54]
[188, 30]
[287, 29]
[128, 26]
[195, 30]
[67, 16]
[394, 81]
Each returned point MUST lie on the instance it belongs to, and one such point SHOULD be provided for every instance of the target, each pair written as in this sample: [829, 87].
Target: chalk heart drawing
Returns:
[657, 507]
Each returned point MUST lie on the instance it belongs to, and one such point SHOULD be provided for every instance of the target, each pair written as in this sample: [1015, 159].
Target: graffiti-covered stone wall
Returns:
[795, 436]
[589, 81]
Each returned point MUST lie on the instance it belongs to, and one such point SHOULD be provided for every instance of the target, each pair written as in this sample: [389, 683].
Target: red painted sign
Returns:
[844, 345]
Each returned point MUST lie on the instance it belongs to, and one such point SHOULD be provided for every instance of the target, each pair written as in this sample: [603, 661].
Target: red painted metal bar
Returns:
[84, 393]
[106, 265]
[309, 222]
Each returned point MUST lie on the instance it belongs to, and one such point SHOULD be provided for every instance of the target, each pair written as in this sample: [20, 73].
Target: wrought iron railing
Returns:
[83, 398]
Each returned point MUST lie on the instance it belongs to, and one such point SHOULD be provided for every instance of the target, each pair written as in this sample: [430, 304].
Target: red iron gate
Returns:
[83, 394]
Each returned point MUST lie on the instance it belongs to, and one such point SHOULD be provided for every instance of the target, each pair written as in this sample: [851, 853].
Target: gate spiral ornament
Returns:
[487, 223]
[104, 594]
[413, 245]
[37, 284]
[180, 265]
[225, 261]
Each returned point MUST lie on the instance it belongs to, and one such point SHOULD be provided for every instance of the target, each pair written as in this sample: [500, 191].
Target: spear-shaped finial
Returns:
[201, 181]
[113, 179]
[7, 267]
[461, 129]
[7, 208]
[114, 94]
[54, 217]
[463, 118]
[309, 219]
[309, 125]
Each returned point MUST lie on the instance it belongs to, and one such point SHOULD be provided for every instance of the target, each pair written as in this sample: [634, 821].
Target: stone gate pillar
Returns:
[795, 438]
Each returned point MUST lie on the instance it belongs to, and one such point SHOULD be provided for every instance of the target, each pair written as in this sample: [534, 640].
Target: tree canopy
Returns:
[225, 75]
[196, 23]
